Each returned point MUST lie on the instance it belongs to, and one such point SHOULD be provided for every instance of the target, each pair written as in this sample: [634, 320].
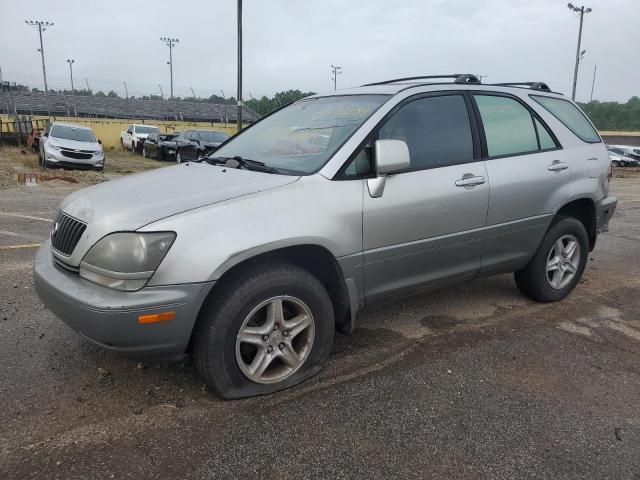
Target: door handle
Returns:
[470, 181]
[557, 166]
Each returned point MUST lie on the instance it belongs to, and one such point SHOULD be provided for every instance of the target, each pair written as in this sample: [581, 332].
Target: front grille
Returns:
[65, 233]
[78, 155]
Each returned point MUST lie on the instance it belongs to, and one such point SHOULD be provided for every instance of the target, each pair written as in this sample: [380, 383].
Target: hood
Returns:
[74, 144]
[141, 135]
[211, 144]
[136, 200]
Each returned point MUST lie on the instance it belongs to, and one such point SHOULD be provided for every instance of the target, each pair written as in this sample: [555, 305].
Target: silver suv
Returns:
[252, 257]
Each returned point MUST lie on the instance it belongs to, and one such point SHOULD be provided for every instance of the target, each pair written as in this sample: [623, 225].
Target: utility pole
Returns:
[582, 10]
[126, 91]
[334, 75]
[161, 93]
[71, 61]
[226, 118]
[42, 26]
[171, 42]
[593, 82]
[239, 96]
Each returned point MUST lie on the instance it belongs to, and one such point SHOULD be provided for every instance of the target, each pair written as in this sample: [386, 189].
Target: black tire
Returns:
[615, 163]
[214, 337]
[532, 280]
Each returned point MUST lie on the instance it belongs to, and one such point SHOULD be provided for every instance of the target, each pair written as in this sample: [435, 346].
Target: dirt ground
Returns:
[19, 165]
[471, 381]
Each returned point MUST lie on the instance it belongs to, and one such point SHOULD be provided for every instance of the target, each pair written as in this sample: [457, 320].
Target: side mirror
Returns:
[390, 156]
[100, 141]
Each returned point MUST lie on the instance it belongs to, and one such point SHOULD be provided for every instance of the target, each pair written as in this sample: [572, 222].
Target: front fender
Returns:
[210, 240]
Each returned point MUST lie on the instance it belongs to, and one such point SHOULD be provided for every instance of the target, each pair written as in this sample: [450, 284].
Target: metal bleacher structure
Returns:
[54, 104]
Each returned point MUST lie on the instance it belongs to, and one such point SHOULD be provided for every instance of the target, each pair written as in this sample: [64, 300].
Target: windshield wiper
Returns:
[238, 161]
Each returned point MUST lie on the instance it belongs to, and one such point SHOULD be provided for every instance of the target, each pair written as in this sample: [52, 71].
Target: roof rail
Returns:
[532, 85]
[459, 78]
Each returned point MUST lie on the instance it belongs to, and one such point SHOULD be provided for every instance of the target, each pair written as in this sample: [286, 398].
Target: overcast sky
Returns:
[291, 43]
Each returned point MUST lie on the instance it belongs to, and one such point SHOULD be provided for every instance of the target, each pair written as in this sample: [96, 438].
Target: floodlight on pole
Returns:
[71, 61]
[170, 42]
[42, 26]
[581, 10]
[335, 71]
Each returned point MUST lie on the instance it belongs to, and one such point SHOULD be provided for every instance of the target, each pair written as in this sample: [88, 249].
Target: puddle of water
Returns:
[31, 179]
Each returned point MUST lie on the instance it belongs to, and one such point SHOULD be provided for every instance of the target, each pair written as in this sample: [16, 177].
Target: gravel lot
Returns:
[472, 381]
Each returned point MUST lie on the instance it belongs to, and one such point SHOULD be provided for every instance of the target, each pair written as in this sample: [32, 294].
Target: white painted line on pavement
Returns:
[19, 215]
[22, 235]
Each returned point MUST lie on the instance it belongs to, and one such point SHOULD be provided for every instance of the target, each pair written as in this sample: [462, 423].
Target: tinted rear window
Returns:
[571, 116]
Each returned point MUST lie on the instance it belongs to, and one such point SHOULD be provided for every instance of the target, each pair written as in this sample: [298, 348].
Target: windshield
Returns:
[73, 133]
[302, 137]
[140, 129]
[213, 136]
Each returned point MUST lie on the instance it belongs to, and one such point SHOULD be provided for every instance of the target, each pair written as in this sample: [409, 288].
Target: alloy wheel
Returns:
[275, 339]
[563, 261]
[178, 158]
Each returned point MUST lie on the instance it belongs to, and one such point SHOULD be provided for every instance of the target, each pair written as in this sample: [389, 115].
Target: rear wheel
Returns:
[266, 329]
[557, 266]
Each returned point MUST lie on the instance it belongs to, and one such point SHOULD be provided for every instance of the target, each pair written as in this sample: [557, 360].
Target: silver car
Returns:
[249, 259]
[68, 145]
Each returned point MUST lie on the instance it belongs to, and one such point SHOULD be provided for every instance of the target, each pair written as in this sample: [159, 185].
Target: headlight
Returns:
[127, 260]
[53, 147]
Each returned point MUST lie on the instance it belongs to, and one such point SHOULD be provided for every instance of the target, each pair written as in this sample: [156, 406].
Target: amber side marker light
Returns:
[157, 317]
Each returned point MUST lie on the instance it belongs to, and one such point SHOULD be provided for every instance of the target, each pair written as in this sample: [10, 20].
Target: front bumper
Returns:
[604, 211]
[54, 157]
[110, 318]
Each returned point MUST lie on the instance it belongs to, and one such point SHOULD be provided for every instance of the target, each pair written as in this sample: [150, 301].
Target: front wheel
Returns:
[265, 329]
[557, 266]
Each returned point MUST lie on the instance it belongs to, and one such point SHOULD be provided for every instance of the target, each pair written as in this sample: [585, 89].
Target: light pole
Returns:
[335, 72]
[226, 118]
[42, 26]
[239, 96]
[171, 42]
[582, 10]
[593, 83]
[71, 61]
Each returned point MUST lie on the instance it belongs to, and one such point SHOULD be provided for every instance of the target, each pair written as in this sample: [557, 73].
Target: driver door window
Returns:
[436, 130]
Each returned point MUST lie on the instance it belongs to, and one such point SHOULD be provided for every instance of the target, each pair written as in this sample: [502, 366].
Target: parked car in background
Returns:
[157, 145]
[194, 144]
[133, 138]
[620, 156]
[250, 259]
[628, 150]
[68, 145]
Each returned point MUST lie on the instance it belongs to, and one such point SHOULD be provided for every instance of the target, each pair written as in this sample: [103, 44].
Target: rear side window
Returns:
[546, 140]
[508, 126]
[436, 129]
[571, 116]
